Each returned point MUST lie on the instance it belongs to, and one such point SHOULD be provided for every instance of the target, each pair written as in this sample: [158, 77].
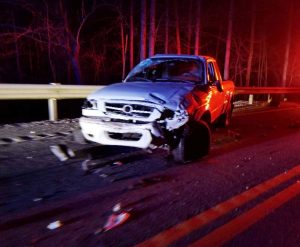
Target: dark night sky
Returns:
[37, 49]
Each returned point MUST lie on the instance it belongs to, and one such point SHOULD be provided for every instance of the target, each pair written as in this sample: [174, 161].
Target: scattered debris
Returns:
[246, 159]
[117, 208]
[117, 218]
[234, 134]
[70, 152]
[152, 146]
[85, 165]
[149, 151]
[37, 199]
[165, 147]
[145, 182]
[54, 225]
[98, 170]
[60, 152]
[29, 157]
[32, 132]
[118, 163]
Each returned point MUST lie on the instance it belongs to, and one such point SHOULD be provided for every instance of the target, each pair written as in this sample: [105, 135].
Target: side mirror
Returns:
[218, 84]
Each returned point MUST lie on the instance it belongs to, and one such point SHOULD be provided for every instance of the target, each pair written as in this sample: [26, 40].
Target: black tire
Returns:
[194, 142]
[225, 119]
[276, 99]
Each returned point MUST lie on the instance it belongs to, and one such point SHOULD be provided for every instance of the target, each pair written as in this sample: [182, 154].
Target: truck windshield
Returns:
[178, 70]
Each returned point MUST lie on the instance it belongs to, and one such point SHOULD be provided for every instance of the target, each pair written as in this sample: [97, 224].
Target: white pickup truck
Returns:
[170, 99]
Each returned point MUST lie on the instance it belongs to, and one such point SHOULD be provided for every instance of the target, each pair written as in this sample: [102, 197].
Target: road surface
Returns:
[244, 193]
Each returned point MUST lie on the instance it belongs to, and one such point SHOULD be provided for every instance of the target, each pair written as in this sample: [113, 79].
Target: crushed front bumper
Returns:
[116, 133]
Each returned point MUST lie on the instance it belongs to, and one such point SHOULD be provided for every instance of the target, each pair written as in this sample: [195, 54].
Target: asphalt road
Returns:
[244, 193]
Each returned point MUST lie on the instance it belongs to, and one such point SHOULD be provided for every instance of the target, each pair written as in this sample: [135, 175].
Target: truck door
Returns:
[217, 96]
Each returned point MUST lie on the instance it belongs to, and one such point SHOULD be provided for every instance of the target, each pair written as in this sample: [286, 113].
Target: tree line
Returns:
[99, 41]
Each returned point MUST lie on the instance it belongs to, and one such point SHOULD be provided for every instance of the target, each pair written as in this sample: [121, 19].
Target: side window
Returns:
[217, 72]
[211, 72]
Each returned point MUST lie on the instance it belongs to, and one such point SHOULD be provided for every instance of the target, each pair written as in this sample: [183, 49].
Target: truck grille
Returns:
[132, 110]
[125, 136]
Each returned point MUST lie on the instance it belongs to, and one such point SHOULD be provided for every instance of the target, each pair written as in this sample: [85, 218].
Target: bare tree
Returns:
[20, 74]
[49, 43]
[197, 33]
[262, 76]
[228, 41]
[167, 28]
[124, 41]
[251, 48]
[178, 39]
[143, 29]
[288, 45]
[189, 33]
[152, 28]
[131, 34]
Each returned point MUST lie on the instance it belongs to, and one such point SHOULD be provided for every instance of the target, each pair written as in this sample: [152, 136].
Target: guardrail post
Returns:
[52, 109]
[269, 98]
[250, 99]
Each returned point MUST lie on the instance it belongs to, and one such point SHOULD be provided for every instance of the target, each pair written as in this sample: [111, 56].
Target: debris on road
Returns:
[37, 199]
[85, 165]
[117, 208]
[70, 152]
[103, 175]
[54, 225]
[234, 134]
[98, 170]
[60, 152]
[117, 218]
[118, 163]
[246, 159]
[145, 182]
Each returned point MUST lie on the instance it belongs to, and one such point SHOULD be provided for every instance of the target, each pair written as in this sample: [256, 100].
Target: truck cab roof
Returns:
[184, 56]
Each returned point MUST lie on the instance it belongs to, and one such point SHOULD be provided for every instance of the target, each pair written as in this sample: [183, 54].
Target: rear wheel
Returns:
[225, 119]
[193, 142]
[276, 99]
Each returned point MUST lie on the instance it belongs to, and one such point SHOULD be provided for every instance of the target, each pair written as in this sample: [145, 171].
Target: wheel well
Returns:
[206, 117]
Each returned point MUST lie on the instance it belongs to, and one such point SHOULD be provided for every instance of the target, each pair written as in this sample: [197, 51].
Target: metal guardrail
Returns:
[266, 90]
[54, 92]
[38, 91]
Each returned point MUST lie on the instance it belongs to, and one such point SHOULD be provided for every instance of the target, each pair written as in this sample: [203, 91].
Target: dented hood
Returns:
[169, 94]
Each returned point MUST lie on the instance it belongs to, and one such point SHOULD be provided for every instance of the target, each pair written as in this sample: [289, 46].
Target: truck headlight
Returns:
[167, 113]
[90, 104]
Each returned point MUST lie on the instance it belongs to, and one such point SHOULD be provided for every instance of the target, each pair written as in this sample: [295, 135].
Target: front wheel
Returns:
[194, 142]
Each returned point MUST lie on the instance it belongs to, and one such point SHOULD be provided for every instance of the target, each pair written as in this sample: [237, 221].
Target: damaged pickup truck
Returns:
[165, 99]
